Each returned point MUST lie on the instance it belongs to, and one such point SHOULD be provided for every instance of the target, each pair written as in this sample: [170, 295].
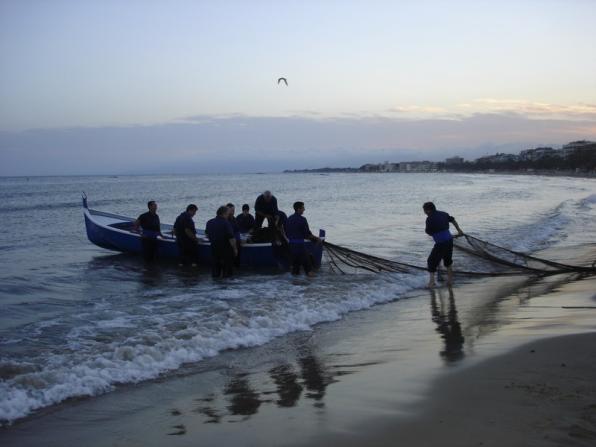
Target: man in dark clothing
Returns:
[150, 228]
[280, 245]
[297, 231]
[281, 219]
[223, 244]
[186, 236]
[437, 226]
[245, 220]
[265, 208]
[232, 220]
[236, 228]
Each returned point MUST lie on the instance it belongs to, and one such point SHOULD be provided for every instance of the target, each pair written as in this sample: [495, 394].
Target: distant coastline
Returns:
[576, 159]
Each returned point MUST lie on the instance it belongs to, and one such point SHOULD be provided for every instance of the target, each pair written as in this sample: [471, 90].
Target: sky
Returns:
[94, 87]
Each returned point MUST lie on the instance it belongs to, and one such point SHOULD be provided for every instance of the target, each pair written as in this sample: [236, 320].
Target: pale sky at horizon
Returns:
[95, 64]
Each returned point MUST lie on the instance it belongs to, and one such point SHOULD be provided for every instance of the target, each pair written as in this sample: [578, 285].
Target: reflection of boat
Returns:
[115, 232]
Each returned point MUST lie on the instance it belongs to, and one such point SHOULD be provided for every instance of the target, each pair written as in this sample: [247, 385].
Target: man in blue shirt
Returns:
[245, 220]
[437, 226]
[223, 243]
[186, 236]
[297, 231]
[150, 229]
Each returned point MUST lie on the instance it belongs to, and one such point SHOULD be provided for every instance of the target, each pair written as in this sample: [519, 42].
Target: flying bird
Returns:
[282, 79]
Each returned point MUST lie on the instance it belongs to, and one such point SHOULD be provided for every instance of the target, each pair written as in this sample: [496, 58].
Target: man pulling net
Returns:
[437, 226]
[489, 259]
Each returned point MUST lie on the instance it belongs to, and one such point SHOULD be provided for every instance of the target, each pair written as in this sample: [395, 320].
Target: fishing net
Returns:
[490, 260]
[511, 259]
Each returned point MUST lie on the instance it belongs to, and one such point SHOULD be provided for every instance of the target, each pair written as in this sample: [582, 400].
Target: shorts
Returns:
[442, 251]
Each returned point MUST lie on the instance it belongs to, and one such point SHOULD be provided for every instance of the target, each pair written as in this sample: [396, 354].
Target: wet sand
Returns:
[542, 394]
[448, 367]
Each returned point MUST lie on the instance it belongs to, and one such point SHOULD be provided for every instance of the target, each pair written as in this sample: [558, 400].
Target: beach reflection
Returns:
[243, 399]
[288, 386]
[315, 378]
[308, 379]
[444, 315]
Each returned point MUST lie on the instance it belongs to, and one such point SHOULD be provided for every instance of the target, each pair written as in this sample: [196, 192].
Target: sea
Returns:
[78, 321]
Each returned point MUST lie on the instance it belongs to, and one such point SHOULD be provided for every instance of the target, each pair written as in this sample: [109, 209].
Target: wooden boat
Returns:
[117, 233]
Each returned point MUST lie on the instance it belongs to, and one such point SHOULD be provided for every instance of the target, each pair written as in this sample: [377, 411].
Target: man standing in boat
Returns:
[223, 243]
[437, 226]
[150, 228]
[297, 231]
[265, 208]
[186, 236]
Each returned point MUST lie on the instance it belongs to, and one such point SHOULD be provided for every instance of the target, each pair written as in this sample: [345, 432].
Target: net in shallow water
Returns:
[498, 261]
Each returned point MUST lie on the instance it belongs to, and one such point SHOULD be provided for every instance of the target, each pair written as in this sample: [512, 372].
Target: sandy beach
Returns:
[489, 362]
[541, 394]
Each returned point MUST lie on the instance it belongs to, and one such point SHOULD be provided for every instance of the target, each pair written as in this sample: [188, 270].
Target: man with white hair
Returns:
[265, 208]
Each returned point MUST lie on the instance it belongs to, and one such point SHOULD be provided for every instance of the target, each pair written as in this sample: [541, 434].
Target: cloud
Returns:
[521, 107]
[414, 111]
[533, 109]
[238, 143]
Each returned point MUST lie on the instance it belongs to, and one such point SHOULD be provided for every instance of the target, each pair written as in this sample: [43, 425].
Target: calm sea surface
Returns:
[77, 320]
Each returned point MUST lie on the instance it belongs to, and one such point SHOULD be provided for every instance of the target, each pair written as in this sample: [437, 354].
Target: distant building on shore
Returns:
[578, 146]
[380, 167]
[538, 153]
[389, 167]
[453, 161]
[497, 158]
[418, 166]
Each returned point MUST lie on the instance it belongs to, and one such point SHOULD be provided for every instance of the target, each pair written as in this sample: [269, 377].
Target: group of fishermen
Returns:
[224, 231]
[286, 233]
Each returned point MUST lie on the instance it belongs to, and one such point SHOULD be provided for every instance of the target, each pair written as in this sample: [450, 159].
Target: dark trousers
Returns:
[259, 221]
[188, 252]
[149, 246]
[281, 252]
[300, 258]
[442, 251]
[237, 257]
[223, 260]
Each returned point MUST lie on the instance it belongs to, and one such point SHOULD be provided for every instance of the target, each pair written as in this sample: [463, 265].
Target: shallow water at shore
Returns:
[313, 386]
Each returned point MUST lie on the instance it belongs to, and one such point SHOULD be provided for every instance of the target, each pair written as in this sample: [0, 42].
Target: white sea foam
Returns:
[160, 343]
[590, 199]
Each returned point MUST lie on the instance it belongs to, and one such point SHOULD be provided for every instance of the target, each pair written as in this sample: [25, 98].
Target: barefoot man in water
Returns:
[437, 226]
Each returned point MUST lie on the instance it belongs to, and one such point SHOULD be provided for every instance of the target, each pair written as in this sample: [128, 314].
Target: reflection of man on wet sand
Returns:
[288, 388]
[244, 400]
[447, 325]
[315, 378]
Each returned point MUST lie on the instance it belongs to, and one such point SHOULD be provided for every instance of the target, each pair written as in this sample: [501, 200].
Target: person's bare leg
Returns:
[449, 276]
[431, 280]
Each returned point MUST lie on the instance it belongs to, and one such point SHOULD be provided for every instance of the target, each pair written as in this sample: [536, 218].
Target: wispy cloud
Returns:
[532, 109]
[418, 111]
[526, 108]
